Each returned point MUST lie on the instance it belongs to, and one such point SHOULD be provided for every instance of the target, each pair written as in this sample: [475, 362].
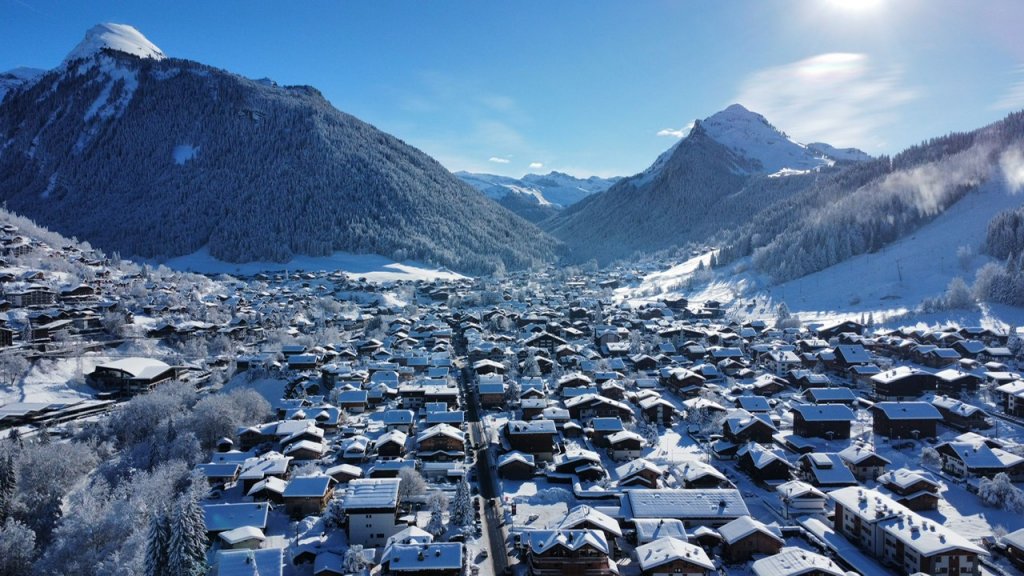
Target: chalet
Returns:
[343, 473]
[780, 362]
[799, 497]
[265, 562]
[668, 556]
[905, 419]
[973, 457]
[589, 406]
[1011, 397]
[903, 383]
[1014, 542]
[308, 495]
[805, 379]
[224, 517]
[899, 537]
[545, 341]
[306, 450]
[433, 559]
[744, 537]
[741, 426]
[353, 401]
[763, 464]
[625, 445]
[585, 465]
[441, 442]
[402, 420]
[825, 470]
[639, 473]
[828, 331]
[863, 461]
[491, 390]
[584, 517]
[391, 444]
[242, 538]
[657, 410]
[768, 385]
[912, 488]
[576, 552]
[960, 415]
[954, 382]
[536, 437]
[516, 465]
[371, 506]
[130, 375]
[848, 355]
[831, 421]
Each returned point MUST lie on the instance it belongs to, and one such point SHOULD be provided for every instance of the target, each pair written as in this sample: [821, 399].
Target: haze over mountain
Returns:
[729, 166]
[157, 157]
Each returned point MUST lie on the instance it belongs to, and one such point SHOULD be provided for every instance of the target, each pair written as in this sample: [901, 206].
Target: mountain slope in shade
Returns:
[18, 78]
[157, 157]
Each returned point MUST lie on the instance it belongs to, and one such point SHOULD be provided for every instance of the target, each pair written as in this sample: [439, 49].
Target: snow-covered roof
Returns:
[411, 535]
[365, 493]
[221, 517]
[441, 430]
[140, 368]
[824, 412]
[540, 541]
[744, 526]
[668, 549]
[266, 562]
[241, 534]
[416, 557]
[798, 489]
[308, 487]
[686, 503]
[904, 478]
[908, 410]
[583, 514]
[515, 456]
[792, 561]
[649, 530]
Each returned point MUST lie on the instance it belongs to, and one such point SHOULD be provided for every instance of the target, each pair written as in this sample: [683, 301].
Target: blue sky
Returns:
[588, 86]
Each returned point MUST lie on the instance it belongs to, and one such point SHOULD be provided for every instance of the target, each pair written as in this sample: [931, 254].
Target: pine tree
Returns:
[462, 505]
[158, 543]
[187, 551]
[438, 504]
[8, 486]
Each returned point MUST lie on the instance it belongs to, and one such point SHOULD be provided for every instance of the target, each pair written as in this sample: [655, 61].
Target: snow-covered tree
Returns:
[158, 544]
[1000, 492]
[412, 484]
[17, 547]
[930, 457]
[187, 551]
[8, 485]
[355, 563]
[461, 513]
[512, 392]
[438, 503]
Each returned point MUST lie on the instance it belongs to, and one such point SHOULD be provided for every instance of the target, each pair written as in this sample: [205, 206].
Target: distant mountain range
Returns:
[536, 197]
[157, 157]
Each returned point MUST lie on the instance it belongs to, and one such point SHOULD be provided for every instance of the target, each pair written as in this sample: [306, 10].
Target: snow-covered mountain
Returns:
[119, 37]
[157, 157]
[839, 154]
[730, 165]
[554, 188]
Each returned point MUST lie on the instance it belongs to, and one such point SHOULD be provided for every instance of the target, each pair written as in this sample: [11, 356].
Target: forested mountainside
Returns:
[158, 157]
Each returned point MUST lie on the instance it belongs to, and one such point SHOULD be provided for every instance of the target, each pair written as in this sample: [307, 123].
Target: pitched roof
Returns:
[668, 549]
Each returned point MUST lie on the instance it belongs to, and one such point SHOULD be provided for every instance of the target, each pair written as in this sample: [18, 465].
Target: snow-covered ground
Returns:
[373, 267]
[887, 284]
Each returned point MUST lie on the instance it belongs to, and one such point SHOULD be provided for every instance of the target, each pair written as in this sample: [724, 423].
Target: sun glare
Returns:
[856, 5]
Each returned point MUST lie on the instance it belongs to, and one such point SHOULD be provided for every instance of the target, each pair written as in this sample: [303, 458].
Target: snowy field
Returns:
[370, 266]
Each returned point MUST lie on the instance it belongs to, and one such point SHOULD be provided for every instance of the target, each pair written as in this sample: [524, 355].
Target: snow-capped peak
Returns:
[750, 135]
[120, 37]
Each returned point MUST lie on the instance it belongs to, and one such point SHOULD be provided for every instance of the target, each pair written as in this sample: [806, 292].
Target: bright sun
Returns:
[856, 5]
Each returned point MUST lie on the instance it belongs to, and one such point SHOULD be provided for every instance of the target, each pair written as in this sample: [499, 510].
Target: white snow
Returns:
[373, 267]
[18, 78]
[843, 154]
[103, 106]
[184, 152]
[751, 136]
[120, 37]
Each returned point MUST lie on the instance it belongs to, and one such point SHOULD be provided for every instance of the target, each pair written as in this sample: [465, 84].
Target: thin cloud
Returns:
[1013, 98]
[676, 132]
[839, 98]
[536, 165]
[498, 160]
